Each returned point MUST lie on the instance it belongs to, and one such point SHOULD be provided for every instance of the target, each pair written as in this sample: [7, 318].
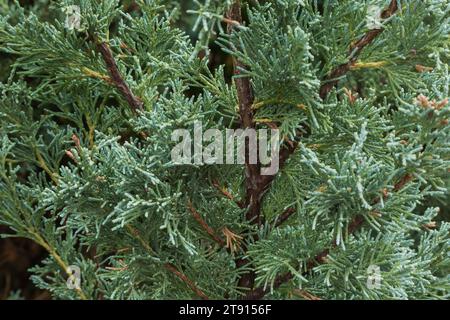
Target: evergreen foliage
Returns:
[361, 100]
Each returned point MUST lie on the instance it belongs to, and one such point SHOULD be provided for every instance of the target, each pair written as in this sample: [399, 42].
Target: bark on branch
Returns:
[282, 218]
[257, 185]
[116, 78]
[333, 78]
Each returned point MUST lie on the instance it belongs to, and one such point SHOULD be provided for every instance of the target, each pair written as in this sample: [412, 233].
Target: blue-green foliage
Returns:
[94, 183]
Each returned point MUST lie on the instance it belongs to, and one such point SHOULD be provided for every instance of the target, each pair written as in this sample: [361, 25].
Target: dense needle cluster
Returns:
[358, 89]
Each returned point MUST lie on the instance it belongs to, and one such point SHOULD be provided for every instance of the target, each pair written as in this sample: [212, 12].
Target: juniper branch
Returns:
[226, 194]
[333, 78]
[42, 241]
[134, 102]
[256, 184]
[355, 50]
[354, 225]
[186, 280]
[204, 225]
[61, 263]
[168, 266]
[246, 99]
[282, 218]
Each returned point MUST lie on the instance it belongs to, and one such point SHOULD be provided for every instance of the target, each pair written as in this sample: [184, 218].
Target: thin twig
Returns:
[231, 22]
[43, 165]
[246, 99]
[320, 258]
[134, 102]
[355, 50]
[254, 191]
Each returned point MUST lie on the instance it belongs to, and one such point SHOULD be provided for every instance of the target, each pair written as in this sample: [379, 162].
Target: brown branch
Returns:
[355, 50]
[231, 22]
[186, 280]
[305, 295]
[223, 191]
[168, 266]
[246, 99]
[204, 225]
[256, 185]
[243, 85]
[407, 178]
[116, 79]
[282, 218]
